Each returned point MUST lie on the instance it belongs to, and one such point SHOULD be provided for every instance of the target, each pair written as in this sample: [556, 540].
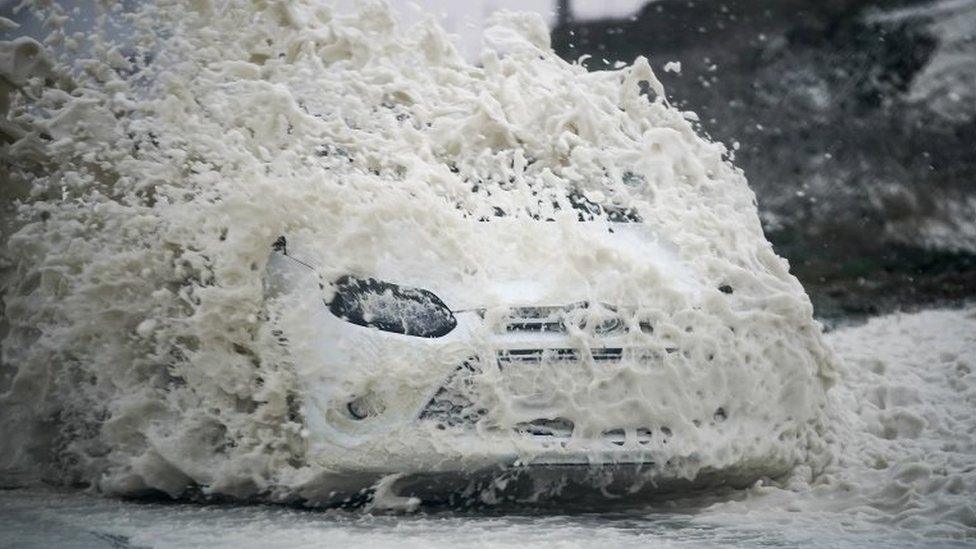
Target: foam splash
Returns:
[902, 432]
[137, 348]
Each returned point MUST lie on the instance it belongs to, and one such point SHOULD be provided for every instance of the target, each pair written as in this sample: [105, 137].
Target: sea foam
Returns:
[152, 179]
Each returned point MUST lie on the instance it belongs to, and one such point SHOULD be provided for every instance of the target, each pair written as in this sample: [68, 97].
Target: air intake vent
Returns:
[536, 319]
[599, 318]
[538, 356]
[558, 427]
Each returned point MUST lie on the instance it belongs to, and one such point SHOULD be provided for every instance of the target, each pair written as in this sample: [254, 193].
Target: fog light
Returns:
[365, 406]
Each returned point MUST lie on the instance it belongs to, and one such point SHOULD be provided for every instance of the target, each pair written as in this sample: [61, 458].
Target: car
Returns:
[524, 380]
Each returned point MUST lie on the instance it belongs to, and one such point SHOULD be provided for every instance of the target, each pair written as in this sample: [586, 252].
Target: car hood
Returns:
[512, 262]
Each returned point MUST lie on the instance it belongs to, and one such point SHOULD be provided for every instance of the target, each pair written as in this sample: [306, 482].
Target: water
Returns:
[70, 519]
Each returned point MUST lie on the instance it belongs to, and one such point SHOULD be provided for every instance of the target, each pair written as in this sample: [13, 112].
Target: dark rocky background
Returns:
[855, 122]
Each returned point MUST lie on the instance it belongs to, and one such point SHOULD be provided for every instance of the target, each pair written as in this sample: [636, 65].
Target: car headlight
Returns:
[391, 308]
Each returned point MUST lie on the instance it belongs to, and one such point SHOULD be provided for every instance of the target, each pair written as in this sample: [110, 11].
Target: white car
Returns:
[534, 374]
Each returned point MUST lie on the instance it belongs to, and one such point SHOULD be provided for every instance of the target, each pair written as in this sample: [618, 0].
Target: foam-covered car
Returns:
[530, 361]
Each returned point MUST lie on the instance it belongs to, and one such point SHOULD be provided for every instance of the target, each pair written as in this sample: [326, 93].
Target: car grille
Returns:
[538, 356]
[517, 350]
[604, 319]
[535, 319]
[453, 405]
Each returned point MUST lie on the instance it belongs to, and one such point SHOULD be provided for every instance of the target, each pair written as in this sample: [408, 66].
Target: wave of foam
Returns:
[137, 356]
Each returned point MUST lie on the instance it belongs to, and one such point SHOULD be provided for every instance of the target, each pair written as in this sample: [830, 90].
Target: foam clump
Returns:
[901, 428]
[137, 356]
